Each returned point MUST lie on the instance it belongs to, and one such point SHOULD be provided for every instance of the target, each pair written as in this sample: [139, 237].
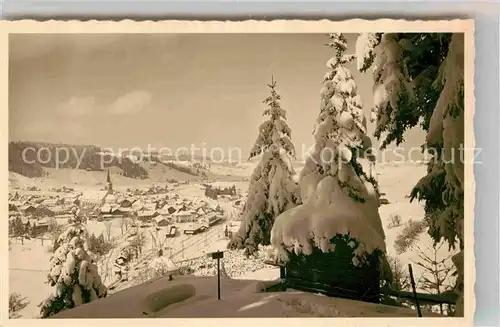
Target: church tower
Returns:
[110, 184]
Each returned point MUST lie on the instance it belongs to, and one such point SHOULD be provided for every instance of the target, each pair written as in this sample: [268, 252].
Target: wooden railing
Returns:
[448, 297]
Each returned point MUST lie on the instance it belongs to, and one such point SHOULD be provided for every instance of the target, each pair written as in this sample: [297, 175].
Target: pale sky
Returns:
[167, 89]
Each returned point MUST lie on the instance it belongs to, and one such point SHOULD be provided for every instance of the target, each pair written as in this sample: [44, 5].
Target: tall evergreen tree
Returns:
[419, 79]
[272, 189]
[341, 124]
[339, 198]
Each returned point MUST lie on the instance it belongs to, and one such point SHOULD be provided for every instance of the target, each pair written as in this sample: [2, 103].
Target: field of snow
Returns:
[74, 178]
[196, 297]
[82, 179]
[18, 180]
[28, 263]
[28, 268]
[243, 169]
[157, 173]
[397, 182]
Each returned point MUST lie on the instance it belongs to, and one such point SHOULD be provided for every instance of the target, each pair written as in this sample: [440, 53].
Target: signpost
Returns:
[218, 255]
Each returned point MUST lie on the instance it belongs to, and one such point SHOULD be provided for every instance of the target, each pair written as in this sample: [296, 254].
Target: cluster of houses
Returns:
[155, 206]
[152, 206]
[38, 210]
[215, 192]
[160, 210]
[169, 210]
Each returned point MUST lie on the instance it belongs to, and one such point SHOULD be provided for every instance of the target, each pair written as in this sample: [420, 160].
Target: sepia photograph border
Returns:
[465, 26]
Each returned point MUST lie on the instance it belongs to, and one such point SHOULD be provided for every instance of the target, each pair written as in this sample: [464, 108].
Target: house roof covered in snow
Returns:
[138, 204]
[184, 213]
[92, 195]
[26, 206]
[200, 211]
[110, 198]
[211, 215]
[160, 218]
[150, 206]
[121, 209]
[106, 208]
[129, 199]
[42, 221]
[146, 213]
[49, 202]
[16, 203]
[163, 211]
[59, 209]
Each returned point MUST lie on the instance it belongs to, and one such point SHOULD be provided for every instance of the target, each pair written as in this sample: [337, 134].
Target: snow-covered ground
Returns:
[28, 269]
[29, 266]
[197, 297]
[28, 263]
[397, 182]
[157, 174]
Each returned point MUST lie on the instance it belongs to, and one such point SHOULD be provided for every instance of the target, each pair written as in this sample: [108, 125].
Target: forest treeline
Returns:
[29, 159]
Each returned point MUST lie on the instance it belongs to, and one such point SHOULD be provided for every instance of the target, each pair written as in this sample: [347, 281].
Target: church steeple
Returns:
[110, 184]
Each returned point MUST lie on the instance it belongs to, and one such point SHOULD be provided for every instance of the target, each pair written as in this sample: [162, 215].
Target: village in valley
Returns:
[154, 206]
[322, 224]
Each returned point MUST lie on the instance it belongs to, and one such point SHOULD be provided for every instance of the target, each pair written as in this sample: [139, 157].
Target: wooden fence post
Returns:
[414, 290]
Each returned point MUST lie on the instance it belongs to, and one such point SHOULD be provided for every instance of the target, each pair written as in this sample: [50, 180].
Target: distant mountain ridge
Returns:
[29, 158]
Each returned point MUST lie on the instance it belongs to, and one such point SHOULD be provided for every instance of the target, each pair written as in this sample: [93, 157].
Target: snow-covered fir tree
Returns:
[419, 79]
[272, 188]
[73, 274]
[340, 200]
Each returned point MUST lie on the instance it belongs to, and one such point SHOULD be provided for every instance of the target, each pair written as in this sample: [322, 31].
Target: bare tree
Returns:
[399, 281]
[123, 225]
[18, 229]
[157, 242]
[138, 243]
[438, 272]
[127, 222]
[107, 225]
[394, 220]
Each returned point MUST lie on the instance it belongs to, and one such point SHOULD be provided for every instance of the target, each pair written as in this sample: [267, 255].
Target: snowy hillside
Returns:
[82, 179]
[18, 180]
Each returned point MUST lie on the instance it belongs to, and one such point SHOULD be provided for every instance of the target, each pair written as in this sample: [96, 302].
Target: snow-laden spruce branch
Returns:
[419, 80]
[73, 273]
